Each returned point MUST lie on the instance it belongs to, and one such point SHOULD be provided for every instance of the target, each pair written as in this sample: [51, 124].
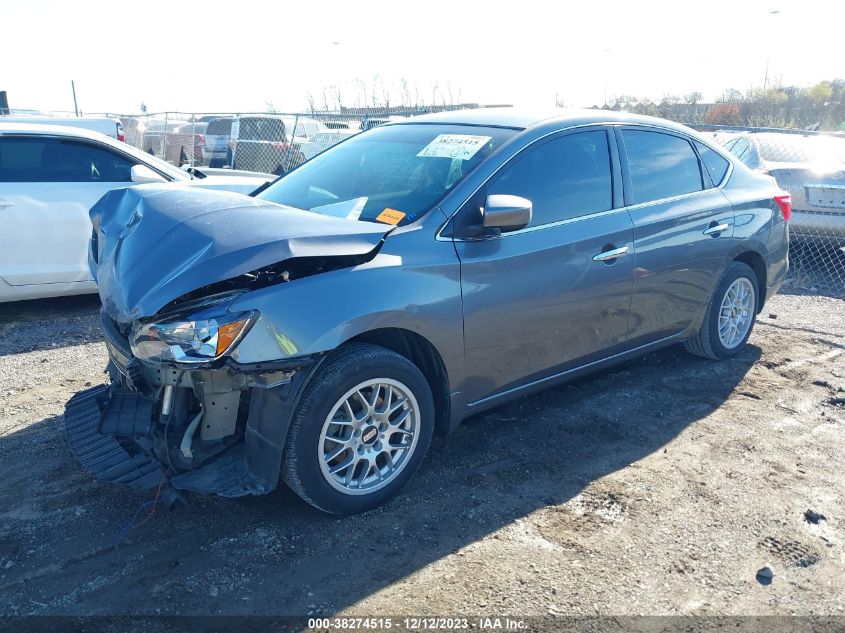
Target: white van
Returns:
[103, 125]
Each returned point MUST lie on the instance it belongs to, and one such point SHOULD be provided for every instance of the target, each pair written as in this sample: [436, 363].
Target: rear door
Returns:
[540, 299]
[47, 186]
[683, 226]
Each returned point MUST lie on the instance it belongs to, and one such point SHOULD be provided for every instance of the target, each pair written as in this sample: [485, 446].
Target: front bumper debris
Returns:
[100, 453]
[212, 430]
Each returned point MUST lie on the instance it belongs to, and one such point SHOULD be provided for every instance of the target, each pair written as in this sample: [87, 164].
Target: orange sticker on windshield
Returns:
[390, 216]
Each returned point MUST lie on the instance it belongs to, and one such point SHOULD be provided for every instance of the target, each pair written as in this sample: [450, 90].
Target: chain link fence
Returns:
[272, 143]
[810, 166]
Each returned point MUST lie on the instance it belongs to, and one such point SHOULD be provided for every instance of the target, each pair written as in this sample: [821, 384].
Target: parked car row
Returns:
[269, 143]
[50, 177]
[278, 144]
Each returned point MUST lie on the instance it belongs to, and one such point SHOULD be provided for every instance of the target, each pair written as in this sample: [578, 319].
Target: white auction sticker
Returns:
[460, 146]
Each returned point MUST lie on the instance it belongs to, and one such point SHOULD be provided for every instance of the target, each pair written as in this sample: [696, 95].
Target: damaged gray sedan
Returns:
[320, 331]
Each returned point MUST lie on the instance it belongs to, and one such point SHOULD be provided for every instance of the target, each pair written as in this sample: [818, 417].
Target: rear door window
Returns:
[60, 160]
[564, 178]
[660, 165]
[716, 166]
[740, 148]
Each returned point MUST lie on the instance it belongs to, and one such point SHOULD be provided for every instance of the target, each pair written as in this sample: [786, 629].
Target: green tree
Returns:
[820, 94]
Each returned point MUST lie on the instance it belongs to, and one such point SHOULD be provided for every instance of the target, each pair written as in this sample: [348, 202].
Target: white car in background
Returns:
[50, 176]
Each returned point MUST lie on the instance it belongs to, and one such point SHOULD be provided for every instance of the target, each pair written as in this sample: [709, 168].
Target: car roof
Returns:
[12, 127]
[519, 118]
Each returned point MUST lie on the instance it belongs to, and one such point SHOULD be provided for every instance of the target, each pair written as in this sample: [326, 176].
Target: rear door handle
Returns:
[6, 203]
[614, 253]
[717, 229]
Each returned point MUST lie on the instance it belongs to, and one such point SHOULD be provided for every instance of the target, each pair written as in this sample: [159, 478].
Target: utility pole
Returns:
[73, 88]
[769, 54]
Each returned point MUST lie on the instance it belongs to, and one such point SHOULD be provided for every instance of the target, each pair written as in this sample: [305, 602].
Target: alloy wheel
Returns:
[369, 435]
[736, 314]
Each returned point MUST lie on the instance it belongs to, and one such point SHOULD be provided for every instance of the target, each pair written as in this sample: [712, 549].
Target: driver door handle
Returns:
[6, 203]
[613, 253]
[717, 229]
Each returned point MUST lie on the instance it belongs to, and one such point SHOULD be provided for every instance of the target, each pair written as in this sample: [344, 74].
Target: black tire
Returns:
[344, 369]
[706, 342]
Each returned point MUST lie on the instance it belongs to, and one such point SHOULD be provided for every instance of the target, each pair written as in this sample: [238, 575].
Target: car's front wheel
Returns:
[360, 430]
[730, 315]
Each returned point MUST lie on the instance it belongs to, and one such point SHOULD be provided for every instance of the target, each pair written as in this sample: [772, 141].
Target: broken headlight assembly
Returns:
[206, 334]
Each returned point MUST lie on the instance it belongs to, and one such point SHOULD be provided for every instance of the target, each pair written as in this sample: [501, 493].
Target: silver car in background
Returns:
[811, 168]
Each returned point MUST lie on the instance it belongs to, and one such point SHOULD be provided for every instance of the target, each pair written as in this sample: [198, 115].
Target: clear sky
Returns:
[241, 55]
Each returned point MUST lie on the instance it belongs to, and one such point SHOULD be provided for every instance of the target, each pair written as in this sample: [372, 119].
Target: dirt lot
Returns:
[659, 487]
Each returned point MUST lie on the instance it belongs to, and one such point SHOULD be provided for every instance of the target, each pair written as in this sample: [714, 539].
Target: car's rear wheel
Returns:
[360, 430]
[730, 315]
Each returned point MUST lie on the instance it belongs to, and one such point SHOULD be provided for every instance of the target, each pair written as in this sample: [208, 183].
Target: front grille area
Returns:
[120, 355]
[116, 333]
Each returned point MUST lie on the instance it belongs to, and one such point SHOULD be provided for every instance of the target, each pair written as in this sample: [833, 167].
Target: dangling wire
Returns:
[121, 535]
[131, 525]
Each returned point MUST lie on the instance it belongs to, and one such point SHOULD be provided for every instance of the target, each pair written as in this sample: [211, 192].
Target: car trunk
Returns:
[812, 190]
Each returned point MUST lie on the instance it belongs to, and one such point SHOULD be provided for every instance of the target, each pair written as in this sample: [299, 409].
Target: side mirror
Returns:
[507, 213]
[142, 173]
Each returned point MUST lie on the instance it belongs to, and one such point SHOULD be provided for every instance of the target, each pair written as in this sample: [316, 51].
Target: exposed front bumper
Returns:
[212, 430]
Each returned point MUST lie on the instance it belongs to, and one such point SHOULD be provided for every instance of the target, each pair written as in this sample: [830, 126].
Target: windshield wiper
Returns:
[261, 187]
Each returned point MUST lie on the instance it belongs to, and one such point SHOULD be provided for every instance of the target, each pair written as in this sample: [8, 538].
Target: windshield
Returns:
[391, 174]
[803, 149]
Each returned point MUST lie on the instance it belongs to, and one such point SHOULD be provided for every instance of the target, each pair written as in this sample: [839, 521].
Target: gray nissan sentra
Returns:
[322, 330]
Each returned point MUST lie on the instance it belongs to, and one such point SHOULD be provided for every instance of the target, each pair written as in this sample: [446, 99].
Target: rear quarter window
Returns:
[716, 165]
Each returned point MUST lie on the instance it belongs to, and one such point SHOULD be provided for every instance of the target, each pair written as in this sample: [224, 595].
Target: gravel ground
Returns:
[659, 487]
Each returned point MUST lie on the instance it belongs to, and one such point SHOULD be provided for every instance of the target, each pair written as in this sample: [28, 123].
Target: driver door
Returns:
[545, 298]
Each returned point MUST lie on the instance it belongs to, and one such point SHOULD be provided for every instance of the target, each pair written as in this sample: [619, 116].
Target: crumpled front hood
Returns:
[155, 243]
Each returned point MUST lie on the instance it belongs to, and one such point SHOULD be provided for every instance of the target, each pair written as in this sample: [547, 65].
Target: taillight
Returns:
[200, 140]
[784, 202]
